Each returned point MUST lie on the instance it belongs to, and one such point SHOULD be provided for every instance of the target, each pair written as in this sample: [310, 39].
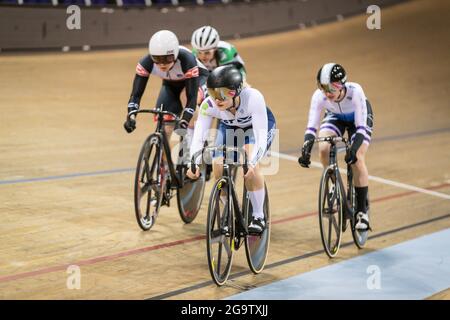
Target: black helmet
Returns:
[227, 76]
[331, 72]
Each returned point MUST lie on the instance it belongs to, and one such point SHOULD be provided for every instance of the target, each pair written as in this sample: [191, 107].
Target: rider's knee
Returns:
[324, 153]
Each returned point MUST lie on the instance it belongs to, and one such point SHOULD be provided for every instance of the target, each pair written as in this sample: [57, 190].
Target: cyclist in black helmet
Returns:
[346, 108]
[245, 120]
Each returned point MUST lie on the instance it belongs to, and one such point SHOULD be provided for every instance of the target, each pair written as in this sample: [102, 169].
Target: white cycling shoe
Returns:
[362, 221]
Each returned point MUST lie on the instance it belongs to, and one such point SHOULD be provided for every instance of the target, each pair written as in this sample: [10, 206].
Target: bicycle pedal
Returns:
[330, 211]
[225, 230]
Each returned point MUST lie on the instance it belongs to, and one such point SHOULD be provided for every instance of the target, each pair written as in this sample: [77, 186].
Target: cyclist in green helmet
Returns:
[212, 52]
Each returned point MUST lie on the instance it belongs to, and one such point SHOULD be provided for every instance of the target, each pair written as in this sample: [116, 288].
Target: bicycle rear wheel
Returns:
[148, 183]
[190, 196]
[330, 212]
[257, 246]
[220, 233]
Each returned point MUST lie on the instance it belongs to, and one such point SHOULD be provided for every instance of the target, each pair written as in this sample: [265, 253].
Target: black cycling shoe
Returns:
[208, 172]
[257, 226]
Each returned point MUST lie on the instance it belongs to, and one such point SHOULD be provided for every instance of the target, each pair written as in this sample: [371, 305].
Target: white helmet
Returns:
[164, 43]
[205, 38]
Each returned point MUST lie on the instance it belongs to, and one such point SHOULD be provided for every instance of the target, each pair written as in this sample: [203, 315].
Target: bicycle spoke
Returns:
[217, 236]
[335, 224]
[227, 246]
[219, 258]
[147, 209]
[329, 233]
[216, 218]
[325, 197]
[145, 189]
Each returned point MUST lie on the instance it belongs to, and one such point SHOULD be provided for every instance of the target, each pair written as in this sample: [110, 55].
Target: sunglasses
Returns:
[206, 52]
[221, 94]
[163, 59]
[331, 87]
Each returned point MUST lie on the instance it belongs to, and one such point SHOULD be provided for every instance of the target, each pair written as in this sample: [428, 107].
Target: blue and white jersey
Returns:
[352, 108]
[251, 112]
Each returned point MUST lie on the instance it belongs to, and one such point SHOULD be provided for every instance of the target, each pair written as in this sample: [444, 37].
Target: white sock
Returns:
[257, 199]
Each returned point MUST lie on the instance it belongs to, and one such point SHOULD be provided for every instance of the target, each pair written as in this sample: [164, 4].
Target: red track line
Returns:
[98, 259]
[175, 243]
[407, 193]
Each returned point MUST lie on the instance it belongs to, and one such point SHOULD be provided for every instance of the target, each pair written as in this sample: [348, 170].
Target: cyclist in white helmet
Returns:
[182, 79]
[346, 108]
[212, 52]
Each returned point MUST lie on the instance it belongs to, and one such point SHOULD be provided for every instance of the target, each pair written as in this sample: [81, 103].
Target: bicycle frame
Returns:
[231, 188]
[162, 136]
[346, 199]
[333, 165]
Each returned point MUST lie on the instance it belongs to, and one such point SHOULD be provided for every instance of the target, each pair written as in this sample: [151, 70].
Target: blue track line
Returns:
[68, 176]
[123, 170]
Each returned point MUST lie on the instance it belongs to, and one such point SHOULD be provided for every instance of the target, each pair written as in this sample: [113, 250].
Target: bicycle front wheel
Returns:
[148, 184]
[257, 246]
[220, 233]
[330, 212]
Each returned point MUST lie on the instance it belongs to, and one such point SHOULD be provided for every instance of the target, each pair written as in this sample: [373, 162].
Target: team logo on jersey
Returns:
[192, 73]
[203, 108]
[244, 120]
[140, 70]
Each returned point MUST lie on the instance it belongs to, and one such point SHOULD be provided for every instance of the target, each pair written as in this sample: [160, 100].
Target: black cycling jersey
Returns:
[186, 72]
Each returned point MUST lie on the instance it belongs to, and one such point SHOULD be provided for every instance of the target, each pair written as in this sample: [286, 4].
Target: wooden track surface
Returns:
[62, 115]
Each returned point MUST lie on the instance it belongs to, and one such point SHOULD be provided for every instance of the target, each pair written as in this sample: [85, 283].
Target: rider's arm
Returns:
[191, 75]
[202, 126]
[359, 100]
[143, 69]
[315, 110]
[258, 110]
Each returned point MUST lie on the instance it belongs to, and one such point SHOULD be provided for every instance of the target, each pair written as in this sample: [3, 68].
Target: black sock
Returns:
[361, 198]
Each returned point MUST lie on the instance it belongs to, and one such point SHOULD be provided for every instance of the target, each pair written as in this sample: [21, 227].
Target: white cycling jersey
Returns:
[352, 108]
[251, 112]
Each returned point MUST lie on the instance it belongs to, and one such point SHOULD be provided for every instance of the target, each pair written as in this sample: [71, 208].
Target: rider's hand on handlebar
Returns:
[185, 118]
[182, 124]
[350, 156]
[193, 176]
[304, 159]
[130, 123]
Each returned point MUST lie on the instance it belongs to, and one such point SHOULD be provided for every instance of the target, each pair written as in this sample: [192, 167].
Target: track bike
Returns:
[156, 182]
[336, 204]
[227, 221]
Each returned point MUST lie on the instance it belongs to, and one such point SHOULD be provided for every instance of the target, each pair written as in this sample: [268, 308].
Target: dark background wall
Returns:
[23, 28]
